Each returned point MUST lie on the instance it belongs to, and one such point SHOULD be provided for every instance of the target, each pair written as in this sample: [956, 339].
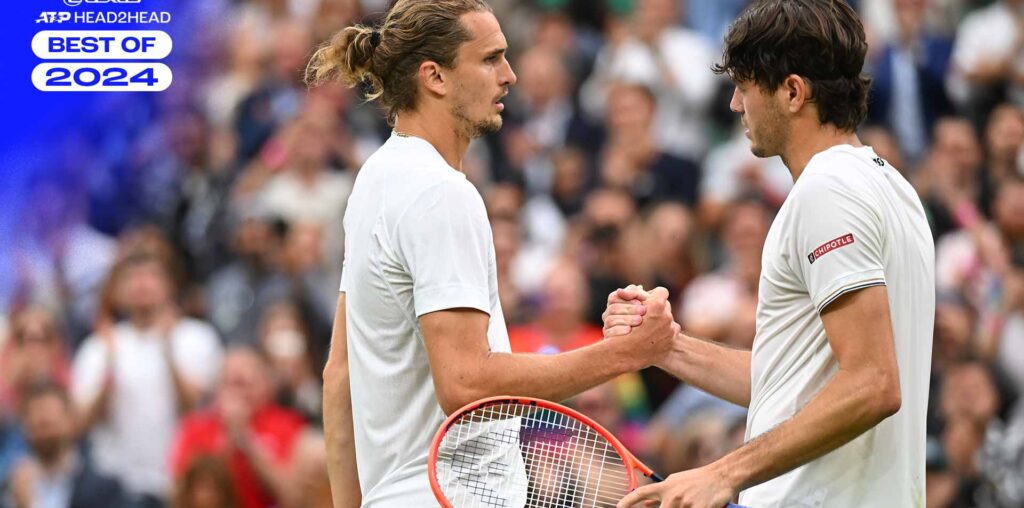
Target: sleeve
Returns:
[198, 354]
[343, 287]
[837, 237]
[445, 241]
[87, 371]
[346, 282]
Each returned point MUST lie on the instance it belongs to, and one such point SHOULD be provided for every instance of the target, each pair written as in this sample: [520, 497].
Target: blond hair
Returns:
[386, 59]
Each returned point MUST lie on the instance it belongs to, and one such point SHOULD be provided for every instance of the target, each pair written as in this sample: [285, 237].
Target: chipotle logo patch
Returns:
[830, 246]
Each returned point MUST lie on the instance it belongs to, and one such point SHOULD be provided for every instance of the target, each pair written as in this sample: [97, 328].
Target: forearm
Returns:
[337, 408]
[717, 369]
[339, 435]
[550, 377]
[848, 406]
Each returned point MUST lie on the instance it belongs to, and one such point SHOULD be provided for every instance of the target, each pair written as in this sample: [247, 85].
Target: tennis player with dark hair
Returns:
[419, 330]
[837, 381]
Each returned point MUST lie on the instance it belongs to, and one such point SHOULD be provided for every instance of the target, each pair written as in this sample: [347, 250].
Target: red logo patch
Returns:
[829, 246]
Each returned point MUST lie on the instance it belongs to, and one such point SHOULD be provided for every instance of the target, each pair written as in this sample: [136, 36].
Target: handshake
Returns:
[643, 320]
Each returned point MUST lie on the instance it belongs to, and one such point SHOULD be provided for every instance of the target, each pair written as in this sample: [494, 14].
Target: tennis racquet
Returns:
[512, 452]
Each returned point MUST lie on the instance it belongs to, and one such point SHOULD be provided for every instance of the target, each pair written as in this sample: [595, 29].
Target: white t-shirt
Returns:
[850, 222]
[133, 442]
[417, 240]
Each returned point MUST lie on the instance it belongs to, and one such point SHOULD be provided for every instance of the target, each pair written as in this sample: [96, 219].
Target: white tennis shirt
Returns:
[850, 222]
[417, 240]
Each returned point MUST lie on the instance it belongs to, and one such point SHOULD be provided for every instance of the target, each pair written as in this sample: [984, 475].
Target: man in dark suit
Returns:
[56, 474]
[908, 92]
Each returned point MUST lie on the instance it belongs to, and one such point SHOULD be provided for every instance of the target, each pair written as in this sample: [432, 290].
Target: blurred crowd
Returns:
[177, 258]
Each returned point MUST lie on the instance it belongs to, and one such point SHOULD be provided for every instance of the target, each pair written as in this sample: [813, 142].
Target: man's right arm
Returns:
[337, 407]
[717, 369]
[464, 368]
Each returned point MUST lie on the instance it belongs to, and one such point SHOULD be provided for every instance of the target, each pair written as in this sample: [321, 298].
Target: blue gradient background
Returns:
[34, 123]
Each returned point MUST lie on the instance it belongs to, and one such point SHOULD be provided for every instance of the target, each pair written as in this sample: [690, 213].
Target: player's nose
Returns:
[508, 76]
[736, 105]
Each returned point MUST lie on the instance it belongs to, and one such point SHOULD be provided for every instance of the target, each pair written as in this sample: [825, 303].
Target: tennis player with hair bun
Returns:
[419, 330]
[837, 381]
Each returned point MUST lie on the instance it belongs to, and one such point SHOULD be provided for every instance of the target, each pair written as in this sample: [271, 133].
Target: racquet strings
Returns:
[512, 455]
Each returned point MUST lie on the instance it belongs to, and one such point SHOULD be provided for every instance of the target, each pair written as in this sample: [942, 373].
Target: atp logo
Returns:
[76, 3]
[54, 17]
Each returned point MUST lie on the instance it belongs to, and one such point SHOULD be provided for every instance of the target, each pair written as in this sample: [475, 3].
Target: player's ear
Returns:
[432, 77]
[797, 92]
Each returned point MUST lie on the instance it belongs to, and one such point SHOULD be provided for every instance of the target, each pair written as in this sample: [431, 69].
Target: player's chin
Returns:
[491, 126]
[759, 149]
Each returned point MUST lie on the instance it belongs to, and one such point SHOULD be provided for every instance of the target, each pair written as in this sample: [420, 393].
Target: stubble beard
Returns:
[772, 134]
[474, 129]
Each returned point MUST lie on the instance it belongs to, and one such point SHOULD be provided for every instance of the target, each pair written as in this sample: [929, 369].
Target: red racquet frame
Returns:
[628, 459]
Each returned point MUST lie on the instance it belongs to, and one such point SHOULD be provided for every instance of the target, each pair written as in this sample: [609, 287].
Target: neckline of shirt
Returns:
[842, 147]
[421, 144]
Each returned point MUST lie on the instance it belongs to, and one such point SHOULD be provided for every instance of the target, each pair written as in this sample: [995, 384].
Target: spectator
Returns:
[54, 226]
[631, 160]
[133, 380]
[551, 119]
[984, 263]
[1004, 141]
[560, 324]
[731, 171]
[722, 305]
[671, 232]
[12, 447]
[507, 254]
[306, 187]
[601, 240]
[908, 82]
[313, 285]
[206, 484]
[36, 352]
[238, 293]
[277, 99]
[291, 353]
[671, 60]
[969, 400]
[244, 427]
[1001, 461]
[987, 59]
[56, 474]
[949, 183]
[193, 209]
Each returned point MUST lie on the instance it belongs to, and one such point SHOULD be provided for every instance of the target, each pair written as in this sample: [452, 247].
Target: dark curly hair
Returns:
[821, 41]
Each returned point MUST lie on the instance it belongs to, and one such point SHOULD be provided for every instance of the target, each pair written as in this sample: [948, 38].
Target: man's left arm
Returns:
[836, 251]
[864, 391]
